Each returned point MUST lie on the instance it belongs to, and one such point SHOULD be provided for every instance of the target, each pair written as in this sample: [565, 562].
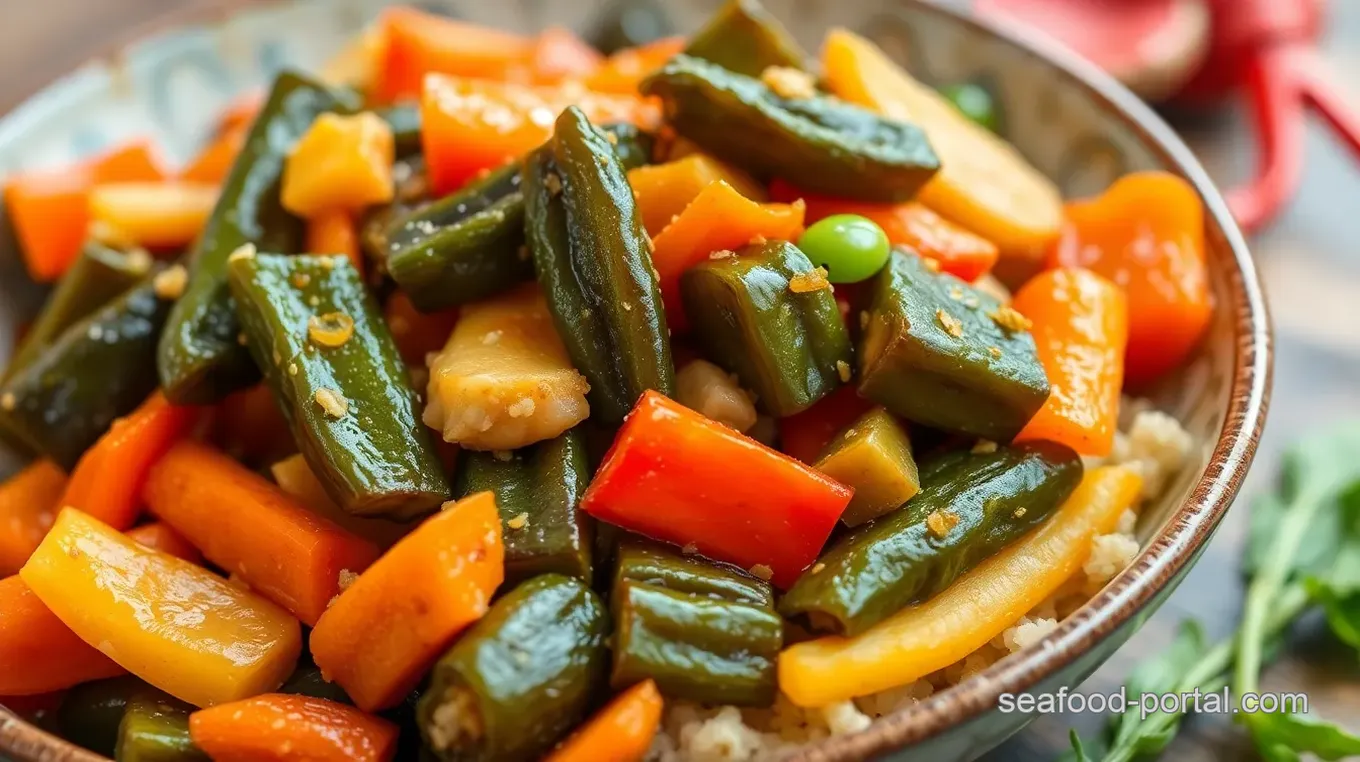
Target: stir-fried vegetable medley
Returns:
[489, 393]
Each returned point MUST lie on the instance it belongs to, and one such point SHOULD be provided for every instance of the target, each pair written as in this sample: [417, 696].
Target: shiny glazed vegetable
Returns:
[872, 456]
[280, 727]
[155, 728]
[743, 37]
[658, 565]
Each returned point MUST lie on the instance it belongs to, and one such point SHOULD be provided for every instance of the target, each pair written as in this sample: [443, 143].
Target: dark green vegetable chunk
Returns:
[521, 678]
[652, 563]
[743, 37]
[594, 263]
[970, 506]
[695, 647]
[306, 680]
[538, 494]
[939, 352]
[100, 369]
[99, 275]
[90, 713]
[200, 359]
[820, 144]
[764, 316]
[155, 728]
[629, 23]
[872, 455]
[339, 380]
[404, 120]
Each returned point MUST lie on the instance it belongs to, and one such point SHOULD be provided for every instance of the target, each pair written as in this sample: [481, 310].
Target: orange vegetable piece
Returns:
[417, 334]
[50, 209]
[558, 55]
[718, 218]
[28, 504]
[255, 530]
[159, 215]
[249, 426]
[38, 653]
[341, 163]
[621, 732]
[107, 482]
[241, 111]
[625, 69]
[214, 162]
[381, 635]
[958, 250]
[664, 190]
[172, 623]
[420, 43]
[282, 727]
[804, 435]
[1146, 233]
[159, 536]
[470, 125]
[334, 232]
[1081, 328]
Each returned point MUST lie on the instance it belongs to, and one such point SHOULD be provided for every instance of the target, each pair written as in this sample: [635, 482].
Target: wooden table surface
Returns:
[1308, 265]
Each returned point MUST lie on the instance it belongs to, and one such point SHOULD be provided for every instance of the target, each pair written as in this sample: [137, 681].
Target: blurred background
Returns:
[1304, 252]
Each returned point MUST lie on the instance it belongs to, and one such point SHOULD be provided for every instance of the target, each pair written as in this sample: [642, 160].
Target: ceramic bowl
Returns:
[1071, 121]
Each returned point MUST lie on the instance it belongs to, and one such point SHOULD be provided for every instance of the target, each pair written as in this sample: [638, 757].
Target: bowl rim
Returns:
[1183, 534]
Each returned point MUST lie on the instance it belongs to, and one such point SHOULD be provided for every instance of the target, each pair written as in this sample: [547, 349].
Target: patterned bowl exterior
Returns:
[1072, 122]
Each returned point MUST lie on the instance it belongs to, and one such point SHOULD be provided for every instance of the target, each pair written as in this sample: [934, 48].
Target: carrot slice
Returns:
[249, 426]
[470, 125]
[251, 528]
[718, 218]
[383, 633]
[621, 732]
[50, 209]
[1080, 327]
[624, 71]
[804, 435]
[417, 334]
[420, 43]
[772, 514]
[38, 653]
[279, 726]
[334, 232]
[558, 54]
[159, 536]
[28, 505]
[664, 190]
[214, 162]
[959, 251]
[107, 482]
[1146, 233]
[979, 606]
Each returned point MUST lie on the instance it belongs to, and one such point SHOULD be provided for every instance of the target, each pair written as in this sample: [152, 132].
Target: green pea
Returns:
[851, 248]
[976, 103]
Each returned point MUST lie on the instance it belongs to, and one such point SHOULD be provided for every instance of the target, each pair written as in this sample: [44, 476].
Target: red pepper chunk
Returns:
[677, 476]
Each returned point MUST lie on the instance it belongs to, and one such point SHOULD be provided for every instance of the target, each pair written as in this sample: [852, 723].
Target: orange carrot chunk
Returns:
[625, 69]
[382, 634]
[621, 732]
[1146, 233]
[249, 426]
[558, 54]
[334, 232]
[37, 652]
[28, 505]
[107, 482]
[718, 219]
[420, 43]
[664, 190]
[250, 527]
[676, 476]
[159, 536]
[470, 125]
[1080, 323]
[282, 727]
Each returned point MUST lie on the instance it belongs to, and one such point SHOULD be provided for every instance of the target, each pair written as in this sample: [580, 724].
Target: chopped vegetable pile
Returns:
[559, 391]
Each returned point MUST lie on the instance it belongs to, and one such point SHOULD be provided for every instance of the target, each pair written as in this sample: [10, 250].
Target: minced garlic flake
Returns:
[244, 251]
[758, 239]
[722, 254]
[292, 369]
[503, 456]
[331, 330]
[332, 402]
[843, 370]
[994, 352]
[1020, 512]
[951, 325]
[1010, 319]
[169, 284]
[812, 280]
[518, 522]
[690, 548]
[787, 82]
[314, 301]
[761, 571]
[139, 261]
[932, 265]
[326, 263]
[8, 402]
[491, 338]
[818, 567]
[940, 522]
[346, 579]
[863, 319]
[956, 293]
[242, 339]
[553, 182]
[612, 138]
[983, 446]
[522, 409]
[300, 280]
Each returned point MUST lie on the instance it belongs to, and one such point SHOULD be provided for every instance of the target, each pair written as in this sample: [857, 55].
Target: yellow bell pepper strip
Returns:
[983, 183]
[979, 606]
[177, 626]
[341, 162]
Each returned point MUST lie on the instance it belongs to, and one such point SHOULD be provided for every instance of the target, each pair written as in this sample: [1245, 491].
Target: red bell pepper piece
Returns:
[677, 476]
[804, 435]
[420, 43]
